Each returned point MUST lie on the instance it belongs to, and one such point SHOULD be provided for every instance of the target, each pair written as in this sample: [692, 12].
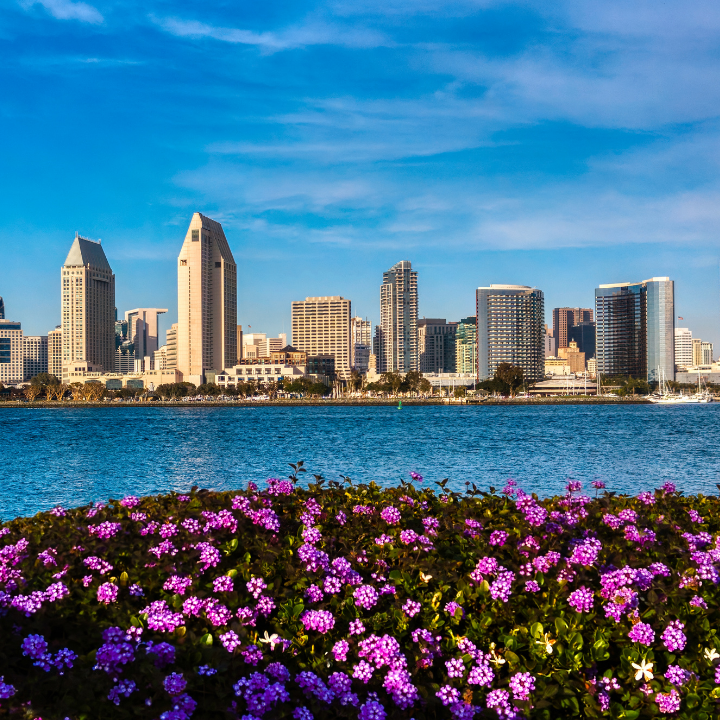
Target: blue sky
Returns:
[559, 145]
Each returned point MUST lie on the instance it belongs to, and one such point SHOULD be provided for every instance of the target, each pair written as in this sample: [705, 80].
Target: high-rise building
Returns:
[11, 353]
[565, 318]
[160, 358]
[697, 355]
[683, 347]
[88, 306]
[510, 329]
[396, 342]
[239, 343]
[2, 309]
[635, 329]
[550, 343]
[466, 346]
[436, 345]
[35, 355]
[360, 344]
[55, 352]
[321, 327]
[707, 353]
[207, 301]
[171, 342]
[143, 330]
[583, 333]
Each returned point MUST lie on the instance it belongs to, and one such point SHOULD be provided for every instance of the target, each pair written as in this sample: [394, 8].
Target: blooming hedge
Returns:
[344, 601]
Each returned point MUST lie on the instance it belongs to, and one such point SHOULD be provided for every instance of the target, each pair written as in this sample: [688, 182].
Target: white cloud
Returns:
[68, 10]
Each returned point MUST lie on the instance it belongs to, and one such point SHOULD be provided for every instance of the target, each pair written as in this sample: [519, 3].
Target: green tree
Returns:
[425, 386]
[211, 389]
[44, 379]
[511, 375]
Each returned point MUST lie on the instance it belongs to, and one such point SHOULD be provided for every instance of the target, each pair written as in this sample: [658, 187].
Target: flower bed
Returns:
[352, 601]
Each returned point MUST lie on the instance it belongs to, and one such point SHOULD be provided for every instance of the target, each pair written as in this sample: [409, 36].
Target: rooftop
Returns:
[87, 252]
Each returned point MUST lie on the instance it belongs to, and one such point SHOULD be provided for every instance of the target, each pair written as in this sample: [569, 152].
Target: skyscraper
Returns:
[321, 326]
[88, 306]
[360, 343]
[143, 332]
[583, 333]
[565, 318]
[171, 343]
[35, 355]
[207, 301]
[510, 329]
[396, 338]
[683, 347]
[436, 345]
[635, 329]
[55, 352]
[466, 346]
[11, 352]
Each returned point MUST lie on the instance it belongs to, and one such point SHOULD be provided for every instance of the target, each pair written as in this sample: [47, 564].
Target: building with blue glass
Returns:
[635, 329]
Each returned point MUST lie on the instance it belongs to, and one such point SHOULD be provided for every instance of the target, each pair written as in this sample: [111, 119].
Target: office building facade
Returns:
[510, 329]
[143, 330]
[466, 346]
[436, 345]
[12, 370]
[360, 343]
[321, 326]
[683, 347]
[707, 353]
[566, 318]
[55, 352]
[207, 301]
[635, 329]
[396, 338]
[35, 355]
[88, 306]
[583, 334]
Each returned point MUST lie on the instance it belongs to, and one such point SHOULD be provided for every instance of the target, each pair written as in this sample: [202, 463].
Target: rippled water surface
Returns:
[73, 456]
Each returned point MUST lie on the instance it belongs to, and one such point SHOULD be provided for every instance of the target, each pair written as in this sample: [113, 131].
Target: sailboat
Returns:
[664, 397]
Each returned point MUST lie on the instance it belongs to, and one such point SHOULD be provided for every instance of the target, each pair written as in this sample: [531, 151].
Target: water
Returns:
[74, 456]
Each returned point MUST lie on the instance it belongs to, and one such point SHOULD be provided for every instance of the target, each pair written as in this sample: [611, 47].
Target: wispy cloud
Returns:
[68, 10]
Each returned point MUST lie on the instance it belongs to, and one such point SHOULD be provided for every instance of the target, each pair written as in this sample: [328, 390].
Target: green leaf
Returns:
[560, 625]
[536, 630]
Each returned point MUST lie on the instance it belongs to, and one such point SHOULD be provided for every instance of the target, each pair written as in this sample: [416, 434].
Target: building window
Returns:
[218, 264]
[195, 235]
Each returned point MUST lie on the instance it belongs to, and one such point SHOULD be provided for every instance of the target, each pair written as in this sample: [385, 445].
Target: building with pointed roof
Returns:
[88, 306]
[207, 301]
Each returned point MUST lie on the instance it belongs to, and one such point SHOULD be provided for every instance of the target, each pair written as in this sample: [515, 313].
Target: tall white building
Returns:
[11, 353]
[171, 343]
[35, 355]
[88, 306]
[683, 347]
[396, 338]
[360, 343]
[321, 326]
[707, 352]
[207, 301]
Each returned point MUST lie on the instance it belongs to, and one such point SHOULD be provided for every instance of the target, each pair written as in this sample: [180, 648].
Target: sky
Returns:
[559, 145]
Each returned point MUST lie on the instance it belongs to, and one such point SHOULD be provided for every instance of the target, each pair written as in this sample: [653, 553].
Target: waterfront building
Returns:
[396, 338]
[321, 327]
[88, 305]
[592, 367]
[322, 365]
[557, 366]
[289, 356]
[683, 347]
[466, 346]
[125, 358]
[636, 329]
[583, 334]
[35, 355]
[575, 358]
[84, 372]
[510, 329]
[261, 371]
[171, 342]
[448, 381]
[566, 318]
[436, 345]
[707, 353]
[697, 352]
[55, 352]
[12, 369]
[143, 331]
[550, 343]
[360, 343]
[159, 361]
[207, 301]
[239, 342]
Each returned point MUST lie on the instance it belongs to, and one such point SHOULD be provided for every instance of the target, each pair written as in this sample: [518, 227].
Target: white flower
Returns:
[643, 670]
[425, 578]
[273, 639]
[711, 654]
[547, 642]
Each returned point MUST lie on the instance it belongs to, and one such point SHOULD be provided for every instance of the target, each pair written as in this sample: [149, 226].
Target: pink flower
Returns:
[107, 593]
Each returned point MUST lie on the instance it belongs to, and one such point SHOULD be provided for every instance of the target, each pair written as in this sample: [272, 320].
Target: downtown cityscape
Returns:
[630, 333]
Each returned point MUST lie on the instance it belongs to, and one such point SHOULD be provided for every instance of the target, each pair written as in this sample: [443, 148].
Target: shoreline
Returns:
[410, 402]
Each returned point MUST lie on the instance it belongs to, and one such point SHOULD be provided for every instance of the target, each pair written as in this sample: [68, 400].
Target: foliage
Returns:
[175, 390]
[361, 602]
[306, 386]
[44, 379]
[209, 389]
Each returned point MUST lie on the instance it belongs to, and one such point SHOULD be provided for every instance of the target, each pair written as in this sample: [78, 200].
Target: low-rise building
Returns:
[575, 358]
[557, 366]
[35, 355]
[592, 367]
[55, 352]
[261, 371]
[288, 356]
[12, 370]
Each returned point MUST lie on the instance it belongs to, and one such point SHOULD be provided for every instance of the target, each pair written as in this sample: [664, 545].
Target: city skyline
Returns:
[550, 146]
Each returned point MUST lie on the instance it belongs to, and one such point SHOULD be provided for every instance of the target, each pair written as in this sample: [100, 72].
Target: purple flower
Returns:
[391, 515]
[498, 699]
[408, 536]
[176, 584]
[105, 530]
[532, 586]
[223, 584]
[341, 517]
[481, 674]
[501, 588]
[416, 476]
[207, 670]
[107, 593]
[230, 641]
[598, 484]
[676, 675]
[581, 600]
[265, 605]
[372, 710]
[209, 555]
[455, 668]
[642, 633]
[673, 636]
[452, 607]
[34, 646]
[411, 608]
[363, 671]
[498, 537]
[522, 684]
[255, 586]
[164, 653]
[448, 695]
[340, 650]
[670, 702]
[356, 627]
[697, 601]
[174, 683]
[124, 688]
[321, 620]
[366, 596]
[314, 594]
[252, 654]
[6, 690]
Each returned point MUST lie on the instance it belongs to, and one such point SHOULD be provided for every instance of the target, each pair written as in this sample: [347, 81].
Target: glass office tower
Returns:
[635, 329]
